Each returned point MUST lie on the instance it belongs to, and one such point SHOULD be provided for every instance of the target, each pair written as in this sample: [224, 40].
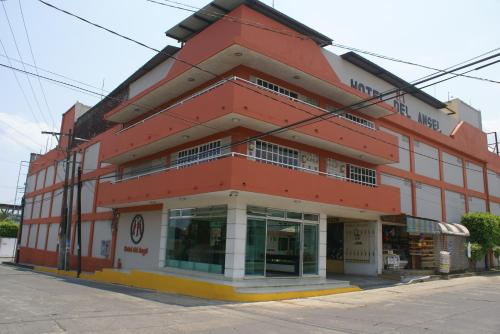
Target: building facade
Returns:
[205, 170]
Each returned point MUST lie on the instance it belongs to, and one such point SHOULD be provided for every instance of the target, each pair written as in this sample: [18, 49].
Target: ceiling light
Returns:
[190, 79]
[238, 54]
[185, 136]
[235, 119]
[296, 77]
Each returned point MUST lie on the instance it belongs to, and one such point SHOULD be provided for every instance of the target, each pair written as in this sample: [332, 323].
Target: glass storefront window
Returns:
[311, 242]
[255, 247]
[197, 242]
[281, 243]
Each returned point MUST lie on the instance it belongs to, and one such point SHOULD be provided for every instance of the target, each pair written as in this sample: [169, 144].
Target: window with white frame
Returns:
[276, 88]
[204, 152]
[359, 120]
[362, 175]
[352, 173]
[275, 154]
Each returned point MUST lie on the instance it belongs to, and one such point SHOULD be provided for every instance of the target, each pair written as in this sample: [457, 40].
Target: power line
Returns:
[20, 57]
[254, 24]
[99, 94]
[25, 97]
[34, 62]
[321, 117]
[50, 72]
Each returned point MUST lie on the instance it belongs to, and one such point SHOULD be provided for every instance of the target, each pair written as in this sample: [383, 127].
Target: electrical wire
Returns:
[224, 16]
[34, 62]
[99, 26]
[20, 57]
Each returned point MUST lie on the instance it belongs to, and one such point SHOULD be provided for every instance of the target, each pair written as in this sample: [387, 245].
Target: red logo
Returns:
[137, 229]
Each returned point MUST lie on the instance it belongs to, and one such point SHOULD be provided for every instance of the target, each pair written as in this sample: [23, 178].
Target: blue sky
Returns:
[433, 33]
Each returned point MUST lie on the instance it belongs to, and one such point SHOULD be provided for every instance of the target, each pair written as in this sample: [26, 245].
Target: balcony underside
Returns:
[236, 104]
[224, 61]
[239, 174]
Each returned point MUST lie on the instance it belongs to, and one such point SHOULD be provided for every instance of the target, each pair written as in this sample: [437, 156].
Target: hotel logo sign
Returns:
[137, 229]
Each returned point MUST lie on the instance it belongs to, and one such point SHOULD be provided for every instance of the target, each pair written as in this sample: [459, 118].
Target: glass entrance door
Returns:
[282, 248]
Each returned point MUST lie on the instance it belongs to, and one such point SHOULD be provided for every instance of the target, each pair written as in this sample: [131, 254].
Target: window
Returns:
[276, 154]
[199, 153]
[359, 120]
[362, 175]
[279, 246]
[276, 88]
[196, 239]
[282, 90]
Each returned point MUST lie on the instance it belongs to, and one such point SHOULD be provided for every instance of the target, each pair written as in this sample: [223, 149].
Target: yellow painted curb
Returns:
[189, 287]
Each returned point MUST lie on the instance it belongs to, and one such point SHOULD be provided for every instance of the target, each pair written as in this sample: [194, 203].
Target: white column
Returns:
[322, 245]
[379, 258]
[163, 238]
[235, 238]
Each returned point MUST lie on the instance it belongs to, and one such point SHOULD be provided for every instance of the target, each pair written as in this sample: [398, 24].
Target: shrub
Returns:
[484, 229]
[477, 251]
[8, 229]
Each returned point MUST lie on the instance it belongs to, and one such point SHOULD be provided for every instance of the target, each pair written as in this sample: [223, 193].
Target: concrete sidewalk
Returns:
[37, 303]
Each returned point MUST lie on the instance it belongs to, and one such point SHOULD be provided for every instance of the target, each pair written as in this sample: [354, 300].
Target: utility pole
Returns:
[79, 221]
[70, 215]
[20, 233]
[63, 255]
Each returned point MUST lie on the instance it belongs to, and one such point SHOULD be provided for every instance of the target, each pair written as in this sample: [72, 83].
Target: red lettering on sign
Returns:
[135, 249]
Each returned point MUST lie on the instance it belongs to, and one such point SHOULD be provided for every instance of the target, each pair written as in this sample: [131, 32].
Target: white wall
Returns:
[40, 179]
[7, 247]
[477, 204]
[368, 248]
[404, 190]
[495, 208]
[102, 237]
[426, 160]
[49, 177]
[30, 183]
[150, 78]
[455, 206]
[28, 207]
[60, 171]
[53, 237]
[453, 169]
[37, 204]
[475, 180]
[88, 192]
[91, 158]
[85, 239]
[32, 239]
[42, 234]
[56, 203]
[24, 236]
[428, 201]
[404, 150]
[150, 241]
[46, 202]
[493, 183]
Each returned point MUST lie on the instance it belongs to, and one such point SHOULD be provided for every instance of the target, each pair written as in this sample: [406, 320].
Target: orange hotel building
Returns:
[172, 182]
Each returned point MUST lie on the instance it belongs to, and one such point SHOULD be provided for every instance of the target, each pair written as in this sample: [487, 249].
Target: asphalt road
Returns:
[38, 303]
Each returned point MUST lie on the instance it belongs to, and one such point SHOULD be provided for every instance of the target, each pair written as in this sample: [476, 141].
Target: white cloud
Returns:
[18, 138]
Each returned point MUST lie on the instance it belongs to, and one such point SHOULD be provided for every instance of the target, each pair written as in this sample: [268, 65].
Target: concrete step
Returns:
[287, 287]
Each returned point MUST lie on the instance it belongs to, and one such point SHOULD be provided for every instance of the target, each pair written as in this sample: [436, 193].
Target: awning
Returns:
[453, 229]
[421, 225]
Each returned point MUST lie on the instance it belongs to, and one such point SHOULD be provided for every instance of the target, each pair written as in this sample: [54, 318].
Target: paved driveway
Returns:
[37, 303]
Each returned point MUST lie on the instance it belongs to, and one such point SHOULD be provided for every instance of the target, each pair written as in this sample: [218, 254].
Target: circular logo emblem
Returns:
[137, 229]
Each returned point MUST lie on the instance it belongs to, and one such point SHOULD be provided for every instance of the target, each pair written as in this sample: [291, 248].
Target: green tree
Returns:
[484, 231]
[8, 229]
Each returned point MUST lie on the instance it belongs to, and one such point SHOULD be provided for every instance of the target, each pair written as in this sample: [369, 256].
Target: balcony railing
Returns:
[340, 114]
[175, 165]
